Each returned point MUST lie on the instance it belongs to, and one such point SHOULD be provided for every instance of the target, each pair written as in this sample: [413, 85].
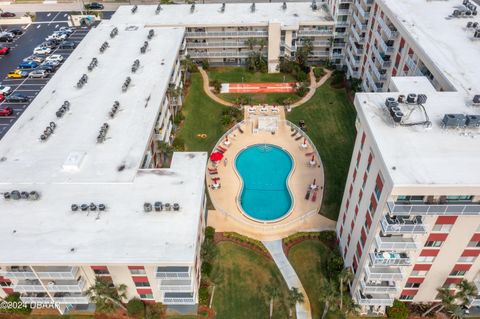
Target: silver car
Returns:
[38, 74]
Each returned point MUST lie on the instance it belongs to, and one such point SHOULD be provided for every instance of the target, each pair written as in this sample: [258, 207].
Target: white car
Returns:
[5, 90]
[57, 36]
[35, 58]
[42, 50]
[54, 58]
[66, 30]
[52, 63]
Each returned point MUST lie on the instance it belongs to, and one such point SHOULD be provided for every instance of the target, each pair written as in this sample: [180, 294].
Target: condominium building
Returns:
[221, 33]
[410, 217]
[82, 191]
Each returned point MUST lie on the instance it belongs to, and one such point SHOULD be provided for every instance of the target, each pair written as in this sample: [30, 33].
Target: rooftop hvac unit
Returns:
[454, 120]
[126, 84]
[34, 195]
[192, 8]
[473, 121]
[93, 64]
[74, 207]
[314, 5]
[411, 98]
[24, 195]
[6, 195]
[476, 34]
[147, 207]
[151, 33]
[104, 46]
[114, 109]
[84, 207]
[284, 6]
[158, 206]
[168, 207]
[114, 32]
[401, 98]
[252, 7]
[102, 207]
[103, 133]
[158, 9]
[134, 9]
[135, 65]
[390, 102]
[93, 207]
[476, 100]
[144, 47]
[421, 99]
[176, 207]
[222, 8]
[469, 24]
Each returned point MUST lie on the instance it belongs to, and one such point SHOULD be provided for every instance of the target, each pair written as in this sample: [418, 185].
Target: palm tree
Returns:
[466, 291]
[294, 296]
[447, 299]
[106, 296]
[344, 277]
[262, 43]
[457, 313]
[251, 42]
[272, 292]
[349, 306]
[328, 295]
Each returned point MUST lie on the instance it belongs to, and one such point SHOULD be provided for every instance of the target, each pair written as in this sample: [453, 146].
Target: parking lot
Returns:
[21, 48]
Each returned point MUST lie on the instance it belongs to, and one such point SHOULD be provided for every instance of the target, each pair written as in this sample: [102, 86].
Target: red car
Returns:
[6, 111]
[7, 14]
[2, 97]
[4, 50]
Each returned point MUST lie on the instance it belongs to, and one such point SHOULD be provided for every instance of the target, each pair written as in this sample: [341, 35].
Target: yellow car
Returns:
[17, 74]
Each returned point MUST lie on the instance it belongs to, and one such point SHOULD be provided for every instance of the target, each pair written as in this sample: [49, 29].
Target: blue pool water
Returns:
[264, 169]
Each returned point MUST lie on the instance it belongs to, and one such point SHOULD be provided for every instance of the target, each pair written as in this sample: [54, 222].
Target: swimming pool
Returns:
[264, 170]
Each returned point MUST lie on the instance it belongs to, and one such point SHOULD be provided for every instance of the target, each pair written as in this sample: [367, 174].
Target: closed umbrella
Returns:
[216, 156]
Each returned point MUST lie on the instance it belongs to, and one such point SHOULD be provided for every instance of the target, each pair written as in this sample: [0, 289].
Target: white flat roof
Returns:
[72, 168]
[417, 156]
[235, 14]
[446, 41]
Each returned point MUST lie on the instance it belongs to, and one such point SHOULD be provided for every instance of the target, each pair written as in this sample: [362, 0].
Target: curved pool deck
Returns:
[228, 215]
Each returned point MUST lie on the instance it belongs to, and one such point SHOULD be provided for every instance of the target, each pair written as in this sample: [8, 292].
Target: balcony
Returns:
[22, 272]
[382, 287]
[389, 31]
[433, 209]
[374, 299]
[56, 272]
[342, 24]
[36, 300]
[383, 46]
[355, 49]
[355, 62]
[384, 273]
[306, 32]
[380, 58]
[173, 272]
[179, 298]
[321, 54]
[66, 286]
[346, 1]
[390, 259]
[371, 82]
[353, 74]
[343, 12]
[175, 285]
[378, 75]
[24, 286]
[217, 44]
[396, 243]
[361, 11]
[209, 54]
[225, 34]
[356, 35]
[318, 43]
[67, 298]
[365, 87]
[402, 225]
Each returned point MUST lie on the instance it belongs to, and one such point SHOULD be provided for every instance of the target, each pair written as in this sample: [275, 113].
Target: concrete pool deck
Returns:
[304, 216]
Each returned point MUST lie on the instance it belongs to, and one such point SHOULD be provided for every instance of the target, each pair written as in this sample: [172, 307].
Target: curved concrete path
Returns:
[290, 276]
[314, 85]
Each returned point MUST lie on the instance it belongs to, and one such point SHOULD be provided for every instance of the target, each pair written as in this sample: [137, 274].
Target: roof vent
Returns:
[192, 8]
[147, 207]
[126, 84]
[454, 120]
[222, 8]
[151, 33]
[103, 133]
[114, 32]
[114, 109]
[252, 7]
[158, 9]
[473, 121]
[284, 6]
[134, 9]
[93, 64]
[83, 80]
[168, 207]
[104, 46]
[135, 65]
[144, 47]
[48, 131]
[158, 206]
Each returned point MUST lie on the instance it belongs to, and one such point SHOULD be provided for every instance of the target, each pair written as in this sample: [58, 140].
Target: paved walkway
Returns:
[291, 278]
[314, 85]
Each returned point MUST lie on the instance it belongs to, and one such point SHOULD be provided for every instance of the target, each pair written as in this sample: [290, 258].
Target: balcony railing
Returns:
[72, 300]
[390, 259]
[344, 12]
[354, 74]
[356, 35]
[217, 44]
[25, 287]
[389, 32]
[384, 273]
[320, 54]
[315, 43]
[17, 274]
[396, 243]
[37, 300]
[365, 87]
[361, 11]
[361, 26]
[199, 55]
[400, 225]
[59, 273]
[355, 62]
[385, 287]
[225, 34]
[315, 32]
[379, 76]
[433, 209]
[172, 275]
[374, 299]
[383, 46]
[185, 288]
[179, 301]
[380, 58]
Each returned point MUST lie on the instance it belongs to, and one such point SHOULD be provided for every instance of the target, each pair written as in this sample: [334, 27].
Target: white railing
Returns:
[376, 72]
[176, 288]
[389, 259]
[216, 44]
[434, 209]
[226, 34]
[375, 288]
[399, 228]
[361, 11]
[179, 301]
[374, 299]
[365, 87]
[209, 54]
[28, 288]
[319, 54]
[386, 29]
[18, 274]
[357, 36]
[352, 73]
[361, 26]
[315, 32]
[170, 275]
[384, 273]
[315, 43]
[344, 11]
[396, 243]
[66, 288]
[72, 300]
[37, 300]
[386, 49]
[354, 61]
[380, 58]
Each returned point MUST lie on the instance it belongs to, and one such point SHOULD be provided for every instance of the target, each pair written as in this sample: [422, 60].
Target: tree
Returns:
[447, 299]
[328, 295]
[262, 43]
[457, 313]
[154, 311]
[294, 296]
[165, 151]
[398, 310]
[349, 306]
[272, 292]
[106, 296]
[250, 43]
[15, 299]
[344, 277]
[304, 52]
[135, 308]
[466, 291]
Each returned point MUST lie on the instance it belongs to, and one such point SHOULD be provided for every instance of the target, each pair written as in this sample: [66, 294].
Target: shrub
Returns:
[179, 117]
[206, 269]
[338, 79]
[15, 298]
[301, 76]
[334, 264]
[302, 89]
[178, 144]
[328, 236]
[203, 296]
[205, 64]
[318, 72]
[217, 85]
[209, 232]
[398, 311]
[135, 307]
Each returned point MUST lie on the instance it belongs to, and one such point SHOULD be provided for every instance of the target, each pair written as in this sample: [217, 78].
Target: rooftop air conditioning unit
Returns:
[222, 8]
[411, 98]
[151, 33]
[421, 99]
[34, 195]
[473, 121]
[454, 120]
[284, 6]
[476, 100]
[134, 9]
[6, 195]
[158, 206]
[192, 8]
[102, 207]
[147, 207]
[114, 32]
[168, 207]
[93, 207]
[390, 102]
[176, 207]
[84, 207]
[252, 7]
[158, 9]
[74, 207]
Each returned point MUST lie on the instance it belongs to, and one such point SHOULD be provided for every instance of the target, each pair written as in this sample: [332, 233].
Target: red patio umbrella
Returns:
[216, 156]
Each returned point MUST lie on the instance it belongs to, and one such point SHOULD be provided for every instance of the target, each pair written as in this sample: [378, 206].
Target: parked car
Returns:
[94, 6]
[35, 58]
[7, 14]
[28, 65]
[2, 97]
[16, 74]
[17, 97]
[68, 45]
[57, 36]
[47, 67]
[5, 38]
[6, 111]
[38, 74]
[52, 63]
[5, 90]
[16, 31]
[4, 50]
[42, 50]
[54, 57]
[66, 30]
[49, 44]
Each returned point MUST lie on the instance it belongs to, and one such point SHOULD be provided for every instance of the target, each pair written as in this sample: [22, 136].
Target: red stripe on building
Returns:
[470, 253]
[99, 267]
[368, 219]
[437, 237]
[453, 281]
[462, 267]
[373, 201]
[475, 237]
[140, 279]
[364, 235]
[8, 291]
[359, 250]
[409, 292]
[363, 138]
[144, 291]
[379, 182]
[136, 267]
[417, 280]
[446, 220]
[429, 252]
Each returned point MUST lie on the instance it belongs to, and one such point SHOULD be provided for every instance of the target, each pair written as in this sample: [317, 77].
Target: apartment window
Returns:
[137, 270]
[358, 158]
[418, 273]
[473, 244]
[100, 270]
[354, 174]
[363, 141]
[458, 273]
[426, 259]
[442, 227]
[412, 285]
[369, 164]
[378, 186]
[406, 198]
[146, 296]
[5, 283]
[467, 259]
[142, 284]
[406, 297]
[365, 177]
[436, 243]
[459, 198]
[373, 205]
[360, 195]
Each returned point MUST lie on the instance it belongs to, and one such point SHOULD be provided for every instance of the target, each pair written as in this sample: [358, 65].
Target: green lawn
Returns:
[244, 274]
[330, 120]
[261, 98]
[235, 75]
[202, 116]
